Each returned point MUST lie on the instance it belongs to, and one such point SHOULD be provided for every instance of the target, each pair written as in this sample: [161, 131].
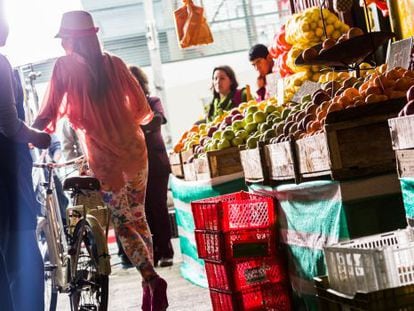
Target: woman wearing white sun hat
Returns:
[103, 100]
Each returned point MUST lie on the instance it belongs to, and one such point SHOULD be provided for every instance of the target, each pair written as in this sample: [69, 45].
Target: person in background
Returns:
[156, 209]
[71, 146]
[263, 63]
[101, 99]
[21, 265]
[226, 94]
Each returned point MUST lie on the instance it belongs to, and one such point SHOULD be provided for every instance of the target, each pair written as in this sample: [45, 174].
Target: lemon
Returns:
[338, 24]
[329, 30]
[331, 19]
[315, 68]
[310, 36]
[336, 34]
[344, 28]
[319, 32]
[330, 76]
[316, 16]
[304, 27]
[316, 77]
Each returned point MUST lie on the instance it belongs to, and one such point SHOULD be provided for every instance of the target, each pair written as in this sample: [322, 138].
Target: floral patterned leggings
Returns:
[128, 216]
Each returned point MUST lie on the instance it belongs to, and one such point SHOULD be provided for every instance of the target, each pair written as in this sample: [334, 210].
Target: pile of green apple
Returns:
[243, 126]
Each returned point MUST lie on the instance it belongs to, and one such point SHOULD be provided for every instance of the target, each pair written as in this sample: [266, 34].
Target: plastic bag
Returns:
[191, 25]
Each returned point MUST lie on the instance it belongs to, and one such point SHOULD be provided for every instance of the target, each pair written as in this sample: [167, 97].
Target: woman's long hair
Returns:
[141, 77]
[90, 49]
[229, 73]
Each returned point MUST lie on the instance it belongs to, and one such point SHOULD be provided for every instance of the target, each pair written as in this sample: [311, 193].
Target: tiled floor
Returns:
[125, 288]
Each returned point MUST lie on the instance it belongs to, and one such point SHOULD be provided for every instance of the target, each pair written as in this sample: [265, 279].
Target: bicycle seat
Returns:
[81, 183]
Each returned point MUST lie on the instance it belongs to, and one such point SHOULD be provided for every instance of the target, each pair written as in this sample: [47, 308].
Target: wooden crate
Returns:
[402, 135]
[313, 156]
[218, 163]
[176, 165]
[254, 164]
[402, 132]
[405, 162]
[189, 171]
[356, 142]
[202, 169]
[281, 161]
[186, 155]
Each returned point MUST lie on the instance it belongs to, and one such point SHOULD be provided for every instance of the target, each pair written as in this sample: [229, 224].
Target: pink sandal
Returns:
[159, 300]
[146, 297]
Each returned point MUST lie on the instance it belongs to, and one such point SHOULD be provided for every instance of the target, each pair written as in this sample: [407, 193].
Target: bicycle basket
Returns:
[94, 205]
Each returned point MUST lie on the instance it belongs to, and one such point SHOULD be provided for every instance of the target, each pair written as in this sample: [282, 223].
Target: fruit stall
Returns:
[334, 151]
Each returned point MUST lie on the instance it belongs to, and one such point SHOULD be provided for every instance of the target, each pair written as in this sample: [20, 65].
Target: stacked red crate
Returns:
[236, 236]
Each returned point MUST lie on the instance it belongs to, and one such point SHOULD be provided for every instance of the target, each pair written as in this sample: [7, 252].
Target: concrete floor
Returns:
[125, 291]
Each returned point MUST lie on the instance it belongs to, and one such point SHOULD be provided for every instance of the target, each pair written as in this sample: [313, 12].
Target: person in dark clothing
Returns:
[156, 209]
[263, 63]
[21, 266]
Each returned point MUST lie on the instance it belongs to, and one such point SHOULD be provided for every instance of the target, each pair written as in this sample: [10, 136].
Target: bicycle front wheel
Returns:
[89, 286]
[51, 291]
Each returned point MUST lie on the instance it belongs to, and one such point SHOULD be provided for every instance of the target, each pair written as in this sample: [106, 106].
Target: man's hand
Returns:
[261, 82]
[39, 139]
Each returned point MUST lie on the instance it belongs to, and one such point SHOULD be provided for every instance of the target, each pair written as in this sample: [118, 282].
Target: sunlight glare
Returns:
[33, 25]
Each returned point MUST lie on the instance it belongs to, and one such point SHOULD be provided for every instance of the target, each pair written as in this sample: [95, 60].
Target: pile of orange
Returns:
[378, 87]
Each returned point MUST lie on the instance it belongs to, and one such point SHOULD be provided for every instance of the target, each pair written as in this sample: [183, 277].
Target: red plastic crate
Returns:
[263, 297]
[240, 244]
[245, 274]
[239, 210]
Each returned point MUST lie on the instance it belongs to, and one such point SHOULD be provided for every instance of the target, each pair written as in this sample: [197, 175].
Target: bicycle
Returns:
[76, 257]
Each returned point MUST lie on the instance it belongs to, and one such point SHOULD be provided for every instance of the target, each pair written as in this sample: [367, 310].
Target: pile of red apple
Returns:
[409, 107]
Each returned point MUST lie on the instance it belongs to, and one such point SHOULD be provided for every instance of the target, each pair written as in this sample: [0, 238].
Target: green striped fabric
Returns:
[407, 187]
[310, 216]
[192, 268]
[188, 191]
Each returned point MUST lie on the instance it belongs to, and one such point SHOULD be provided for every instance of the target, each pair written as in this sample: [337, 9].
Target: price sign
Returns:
[308, 87]
[399, 54]
[271, 83]
[280, 91]
[275, 86]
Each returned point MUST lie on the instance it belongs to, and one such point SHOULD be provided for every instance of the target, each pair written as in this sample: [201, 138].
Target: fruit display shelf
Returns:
[348, 54]
[354, 142]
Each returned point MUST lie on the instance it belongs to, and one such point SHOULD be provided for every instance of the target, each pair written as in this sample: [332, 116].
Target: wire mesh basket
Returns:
[92, 201]
[239, 210]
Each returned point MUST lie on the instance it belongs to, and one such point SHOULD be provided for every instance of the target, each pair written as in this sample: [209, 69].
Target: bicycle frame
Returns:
[52, 225]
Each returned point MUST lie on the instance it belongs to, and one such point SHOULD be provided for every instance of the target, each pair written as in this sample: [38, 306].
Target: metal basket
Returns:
[92, 202]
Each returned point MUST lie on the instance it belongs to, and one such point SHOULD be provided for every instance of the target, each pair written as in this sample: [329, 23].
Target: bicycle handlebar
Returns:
[74, 161]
